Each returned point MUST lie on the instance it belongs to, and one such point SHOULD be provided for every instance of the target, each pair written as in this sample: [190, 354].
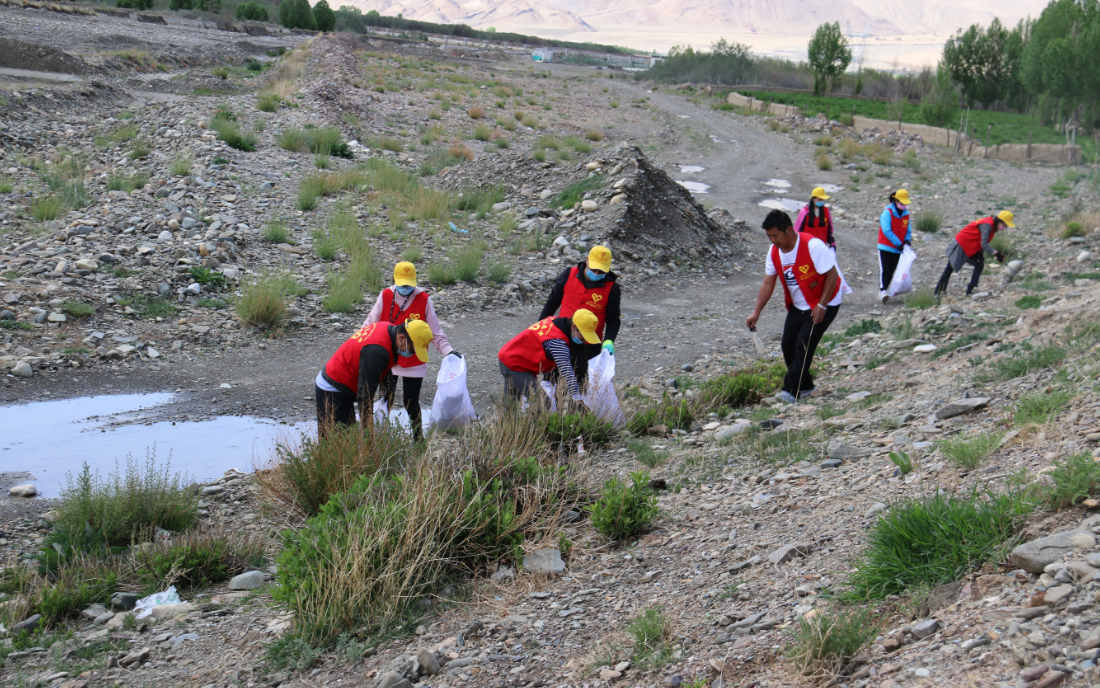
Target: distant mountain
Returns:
[770, 26]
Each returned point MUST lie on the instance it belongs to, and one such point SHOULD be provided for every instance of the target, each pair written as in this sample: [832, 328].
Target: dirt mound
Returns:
[40, 58]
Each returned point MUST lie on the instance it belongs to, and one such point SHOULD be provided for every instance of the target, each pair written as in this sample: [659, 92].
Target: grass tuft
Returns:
[1075, 479]
[972, 452]
[823, 645]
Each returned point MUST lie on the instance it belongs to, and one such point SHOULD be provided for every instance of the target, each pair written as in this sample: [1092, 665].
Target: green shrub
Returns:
[574, 193]
[276, 232]
[1038, 407]
[651, 636]
[207, 277]
[863, 327]
[290, 652]
[195, 559]
[1028, 360]
[220, 72]
[479, 199]
[78, 308]
[921, 299]
[744, 387]
[823, 645]
[140, 149]
[929, 221]
[1003, 243]
[499, 271]
[594, 135]
[1075, 479]
[250, 11]
[230, 132]
[211, 303]
[440, 274]
[325, 245]
[48, 208]
[71, 587]
[124, 507]
[671, 413]
[386, 143]
[468, 261]
[1073, 229]
[780, 448]
[146, 305]
[970, 453]
[936, 540]
[823, 162]
[1027, 302]
[263, 301]
[266, 102]
[564, 428]
[645, 454]
[624, 510]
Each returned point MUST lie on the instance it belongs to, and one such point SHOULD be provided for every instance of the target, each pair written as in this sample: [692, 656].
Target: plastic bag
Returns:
[601, 398]
[451, 407]
[902, 283]
[144, 606]
[398, 416]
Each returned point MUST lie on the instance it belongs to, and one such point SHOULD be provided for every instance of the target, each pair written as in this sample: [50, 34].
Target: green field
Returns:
[1006, 127]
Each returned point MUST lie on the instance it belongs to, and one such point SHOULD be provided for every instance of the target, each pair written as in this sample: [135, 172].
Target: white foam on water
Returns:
[787, 204]
[691, 169]
[695, 187]
[780, 183]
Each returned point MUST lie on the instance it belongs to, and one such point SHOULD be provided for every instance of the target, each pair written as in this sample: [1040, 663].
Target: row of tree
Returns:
[297, 14]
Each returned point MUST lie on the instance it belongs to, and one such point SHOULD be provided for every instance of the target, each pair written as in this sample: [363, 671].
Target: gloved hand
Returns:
[609, 345]
[999, 256]
[454, 353]
[906, 243]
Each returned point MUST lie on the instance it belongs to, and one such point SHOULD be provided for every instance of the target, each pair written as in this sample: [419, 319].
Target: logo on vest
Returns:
[413, 316]
[804, 269]
[364, 332]
[542, 326]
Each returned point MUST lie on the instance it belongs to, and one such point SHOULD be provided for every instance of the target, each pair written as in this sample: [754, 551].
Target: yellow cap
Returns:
[903, 196]
[819, 192]
[586, 322]
[421, 335]
[1006, 216]
[404, 274]
[599, 258]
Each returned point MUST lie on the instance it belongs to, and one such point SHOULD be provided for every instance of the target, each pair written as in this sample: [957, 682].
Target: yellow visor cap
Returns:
[586, 322]
[903, 196]
[404, 274]
[599, 258]
[1006, 216]
[819, 192]
[421, 336]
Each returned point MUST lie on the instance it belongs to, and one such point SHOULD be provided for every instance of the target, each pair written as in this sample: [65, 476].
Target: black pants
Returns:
[977, 261]
[800, 339]
[887, 264]
[333, 408]
[410, 393]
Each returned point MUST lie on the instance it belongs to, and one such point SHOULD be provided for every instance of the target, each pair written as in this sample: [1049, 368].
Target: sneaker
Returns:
[786, 397]
[805, 394]
[884, 298]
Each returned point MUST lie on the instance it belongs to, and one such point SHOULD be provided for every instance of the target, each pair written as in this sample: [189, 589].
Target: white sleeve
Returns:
[824, 259]
[769, 264]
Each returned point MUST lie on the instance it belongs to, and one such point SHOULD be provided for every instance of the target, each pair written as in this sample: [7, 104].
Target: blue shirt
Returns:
[884, 222]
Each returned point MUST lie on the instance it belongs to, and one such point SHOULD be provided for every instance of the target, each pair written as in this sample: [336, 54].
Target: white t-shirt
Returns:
[823, 259]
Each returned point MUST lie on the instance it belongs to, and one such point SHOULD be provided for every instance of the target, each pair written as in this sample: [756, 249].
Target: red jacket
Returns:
[805, 274]
[970, 236]
[343, 367]
[524, 353]
[577, 297]
[417, 310]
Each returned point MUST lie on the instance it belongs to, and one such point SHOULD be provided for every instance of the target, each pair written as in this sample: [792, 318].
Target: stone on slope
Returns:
[961, 406]
[1036, 555]
[544, 561]
[247, 581]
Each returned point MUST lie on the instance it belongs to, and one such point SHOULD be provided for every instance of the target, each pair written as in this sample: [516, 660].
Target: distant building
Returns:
[542, 55]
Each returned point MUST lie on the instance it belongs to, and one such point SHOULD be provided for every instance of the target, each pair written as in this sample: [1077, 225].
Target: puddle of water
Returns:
[779, 183]
[691, 169]
[51, 438]
[788, 204]
[695, 187]
[831, 188]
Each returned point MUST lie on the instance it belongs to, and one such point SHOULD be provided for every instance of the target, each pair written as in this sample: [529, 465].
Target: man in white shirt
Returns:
[812, 287]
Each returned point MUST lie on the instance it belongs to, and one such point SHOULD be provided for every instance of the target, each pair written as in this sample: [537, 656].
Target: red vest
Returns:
[899, 226]
[525, 353]
[417, 310]
[809, 282]
[343, 367]
[817, 231]
[970, 237]
[577, 297]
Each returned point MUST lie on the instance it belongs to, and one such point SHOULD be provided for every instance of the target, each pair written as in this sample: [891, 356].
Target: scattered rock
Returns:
[545, 562]
[27, 490]
[961, 406]
[247, 581]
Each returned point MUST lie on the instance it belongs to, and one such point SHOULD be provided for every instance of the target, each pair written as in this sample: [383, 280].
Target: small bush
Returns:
[207, 277]
[146, 305]
[482, 133]
[78, 309]
[125, 507]
[294, 140]
[744, 387]
[594, 135]
[195, 559]
[823, 645]
[276, 232]
[181, 166]
[911, 160]
[651, 634]
[1028, 302]
[936, 540]
[230, 132]
[476, 112]
[823, 162]
[499, 271]
[863, 327]
[1075, 479]
[539, 154]
[267, 102]
[1029, 360]
[46, 209]
[564, 428]
[645, 454]
[1073, 229]
[624, 510]
[440, 274]
[1004, 244]
[929, 221]
[386, 143]
[251, 11]
[140, 149]
[1038, 407]
[468, 262]
[970, 453]
[325, 245]
[921, 299]
[574, 193]
[263, 301]
[667, 412]
[220, 72]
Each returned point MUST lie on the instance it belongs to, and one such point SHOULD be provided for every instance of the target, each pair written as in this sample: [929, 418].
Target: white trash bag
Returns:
[451, 407]
[902, 282]
[144, 606]
[398, 417]
[601, 398]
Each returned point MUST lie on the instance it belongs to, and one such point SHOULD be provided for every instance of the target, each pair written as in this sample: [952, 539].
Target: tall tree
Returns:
[323, 16]
[829, 56]
[940, 105]
[984, 62]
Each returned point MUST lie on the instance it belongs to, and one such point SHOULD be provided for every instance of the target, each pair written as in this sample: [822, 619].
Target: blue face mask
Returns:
[593, 276]
[405, 354]
[575, 340]
[405, 290]
[819, 204]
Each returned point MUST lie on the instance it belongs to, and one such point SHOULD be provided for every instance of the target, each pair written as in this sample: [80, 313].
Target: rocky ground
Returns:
[749, 539]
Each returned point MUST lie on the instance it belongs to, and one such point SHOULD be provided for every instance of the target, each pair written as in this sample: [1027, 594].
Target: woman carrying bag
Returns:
[894, 234]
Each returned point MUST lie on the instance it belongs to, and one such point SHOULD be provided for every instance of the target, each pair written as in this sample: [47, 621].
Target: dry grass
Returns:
[476, 112]
[1079, 224]
[461, 151]
[282, 78]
